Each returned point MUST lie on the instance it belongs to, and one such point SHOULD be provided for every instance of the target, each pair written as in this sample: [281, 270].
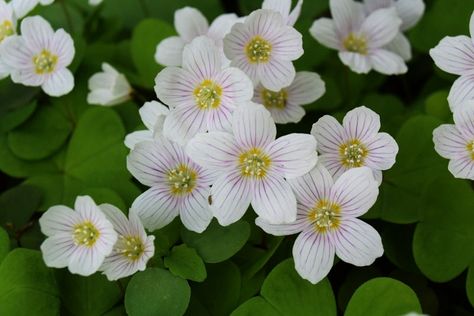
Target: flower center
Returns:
[324, 216]
[85, 234]
[45, 62]
[470, 149]
[182, 180]
[6, 29]
[353, 154]
[254, 163]
[272, 99]
[258, 50]
[130, 247]
[208, 95]
[356, 44]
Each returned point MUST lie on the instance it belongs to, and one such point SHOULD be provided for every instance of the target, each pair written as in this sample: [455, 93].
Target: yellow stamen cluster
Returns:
[470, 149]
[272, 99]
[208, 95]
[6, 29]
[258, 50]
[181, 179]
[85, 234]
[356, 44]
[325, 216]
[45, 62]
[131, 247]
[254, 163]
[353, 154]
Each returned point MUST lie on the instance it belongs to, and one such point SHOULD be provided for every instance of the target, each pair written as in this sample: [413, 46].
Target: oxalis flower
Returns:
[456, 142]
[39, 57]
[189, 24]
[285, 104]
[108, 87]
[202, 94]
[133, 248]
[283, 7]
[409, 11]
[23, 7]
[360, 40]
[252, 166]
[456, 56]
[327, 221]
[178, 186]
[355, 143]
[7, 28]
[264, 48]
[79, 239]
[153, 115]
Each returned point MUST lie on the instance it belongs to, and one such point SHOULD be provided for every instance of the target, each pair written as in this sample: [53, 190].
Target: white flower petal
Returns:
[59, 83]
[372, 5]
[290, 114]
[273, 200]
[37, 33]
[356, 62]
[471, 25]
[116, 267]
[357, 242]
[63, 46]
[236, 86]
[381, 27]
[202, 57]
[288, 46]
[462, 167]
[461, 91]
[449, 141]
[85, 261]
[281, 6]
[464, 120]
[355, 191]
[222, 25]
[324, 31]
[132, 139]
[361, 123]
[183, 123]
[58, 249]
[253, 126]
[87, 209]
[347, 15]
[333, 163]
[169, 52]
[295, 13]
[151, 112]
[454, 54]
[22, 7]
[276, 74]
[220, 119]
[387, 62]
[195, 210]
[301, 223]
[117, 218]
[400, 45]
[175, 86]
[58, 219]
[293, 155]
[156, 207]
[306, 88]
[15, 54]
[235, 41]
[314, 255]
[329, 134]
[190, 23]
[231, 196]
[410, 11]
[382, 152]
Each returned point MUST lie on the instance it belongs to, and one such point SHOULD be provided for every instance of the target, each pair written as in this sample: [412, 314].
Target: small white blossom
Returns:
[203, 93]
[253, 166]
[286, 105]
[79, 239]
[327, 221]
[355, 143]
[264, 47]
[456, 142]
[283, 7]
[7, 29]
[456, 56]
[189, 24]
[23, 7]
[153, 115]
[133, 248]
[95, 2]
[39, 57]
[361, 40]
[108, 87]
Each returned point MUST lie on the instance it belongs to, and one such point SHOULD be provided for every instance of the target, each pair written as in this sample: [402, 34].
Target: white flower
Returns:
[252, 166]
[95, 2]
[409, 11]
[327, 221]
[189, 24]
[133, 248]
[7, 28]
[355, 143]
[108, 87]
[360, 40]
[264, 48]
[23, 7]
[202, 94]
[153, 115]
[80, 239]
[39, 57]
[178, 186]
[456, 56]
[456, 142]
[283, 7]
[285, 105]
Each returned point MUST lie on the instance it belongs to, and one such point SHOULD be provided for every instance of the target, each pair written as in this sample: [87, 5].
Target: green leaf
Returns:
[383, 296]
[289, 294]
[218, 243]
[256, 306]
[437, 105]
[84, 296]
[470, 284]
[4, 244]
[157, 292]
[27, 286]
[186, 263]
[41, 135]
[443, 239]
[17, 205]
[166, 237]
[145, 38]
[14, 117]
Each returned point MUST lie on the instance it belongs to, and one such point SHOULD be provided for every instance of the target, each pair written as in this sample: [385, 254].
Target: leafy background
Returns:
[52, 150]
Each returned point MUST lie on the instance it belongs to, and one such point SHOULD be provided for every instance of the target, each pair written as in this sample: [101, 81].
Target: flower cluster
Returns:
[456, 142]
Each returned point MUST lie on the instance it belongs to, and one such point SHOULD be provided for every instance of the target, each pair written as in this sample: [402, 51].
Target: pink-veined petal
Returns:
[169, 52]
[449, 141]
[410, 11]
[461, 91]
[329, 134]
[356, 62]
[190, 23]
[183, 123]
[381, 27]
[387, 62]
[361, 123]
[382, 152]
[175, 86]
[324, 31]
[58, 219]
[454, 54]
[462, 167]
[58, 249]
[276, 74]
[306, 88]
[202, 58]
[253, 126]
[195, 212]
[59, 83]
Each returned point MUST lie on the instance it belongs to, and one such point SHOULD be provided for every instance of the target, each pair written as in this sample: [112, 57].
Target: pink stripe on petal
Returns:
[361, 123]
[449, 142]
[462, 167]
[462, 90]
[329, 134]
[253, 126]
